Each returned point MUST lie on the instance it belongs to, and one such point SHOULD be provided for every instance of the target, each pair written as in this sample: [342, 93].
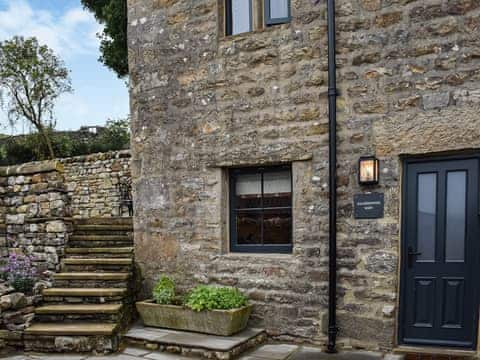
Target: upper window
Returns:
[277, 11]
[245, 15]
[261, 209]
[239, 16]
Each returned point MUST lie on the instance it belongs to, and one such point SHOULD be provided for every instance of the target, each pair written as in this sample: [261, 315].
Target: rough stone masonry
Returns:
[409, 80]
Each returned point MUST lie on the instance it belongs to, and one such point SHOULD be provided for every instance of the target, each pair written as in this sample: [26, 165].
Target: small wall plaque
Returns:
[369, 206]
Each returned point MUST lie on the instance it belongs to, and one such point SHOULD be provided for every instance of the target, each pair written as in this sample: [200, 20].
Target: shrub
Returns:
[164, 291]
[215, 298]
[20, 273]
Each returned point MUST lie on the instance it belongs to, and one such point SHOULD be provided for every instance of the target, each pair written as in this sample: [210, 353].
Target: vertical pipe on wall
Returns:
[332, 148]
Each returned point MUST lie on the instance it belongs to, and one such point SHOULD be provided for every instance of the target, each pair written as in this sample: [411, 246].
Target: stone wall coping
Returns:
[32, 168]
[111, 155]
[58, 164]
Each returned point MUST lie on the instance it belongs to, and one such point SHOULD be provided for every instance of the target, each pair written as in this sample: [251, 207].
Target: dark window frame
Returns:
[229, 18]
[258, 248]
[276, 21]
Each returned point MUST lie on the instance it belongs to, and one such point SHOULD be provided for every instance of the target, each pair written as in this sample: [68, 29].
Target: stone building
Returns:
[230, 161]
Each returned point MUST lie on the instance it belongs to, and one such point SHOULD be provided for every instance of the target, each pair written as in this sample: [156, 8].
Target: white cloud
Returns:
[68, 34]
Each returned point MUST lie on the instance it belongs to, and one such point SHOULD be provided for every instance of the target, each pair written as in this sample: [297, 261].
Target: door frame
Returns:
[406, 161]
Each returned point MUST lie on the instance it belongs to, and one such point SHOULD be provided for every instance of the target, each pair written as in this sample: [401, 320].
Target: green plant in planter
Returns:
[215, 298]
[164, 291]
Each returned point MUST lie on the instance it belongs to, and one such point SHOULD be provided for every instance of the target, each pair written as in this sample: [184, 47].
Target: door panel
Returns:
[439, 299]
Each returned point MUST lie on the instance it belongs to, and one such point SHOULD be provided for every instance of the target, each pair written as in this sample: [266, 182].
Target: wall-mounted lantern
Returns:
[368, 170]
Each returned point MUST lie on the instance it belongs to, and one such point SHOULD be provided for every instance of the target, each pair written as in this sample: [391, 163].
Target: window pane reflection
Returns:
[427, 216]
[456, 214]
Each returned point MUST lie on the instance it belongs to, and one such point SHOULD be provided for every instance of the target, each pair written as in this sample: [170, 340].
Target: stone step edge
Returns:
[72, 329]
[119, 238]
[98, 261]
[100, 250]
[91, 276]
[79, 309]
[84, 292]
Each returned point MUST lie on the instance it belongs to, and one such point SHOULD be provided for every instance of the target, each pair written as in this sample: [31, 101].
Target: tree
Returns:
[113, 46]
[32, 77]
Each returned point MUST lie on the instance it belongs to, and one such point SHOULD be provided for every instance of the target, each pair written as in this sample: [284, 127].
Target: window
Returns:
[246, 15]
[277, 11]
[261, 209]
[239, 16]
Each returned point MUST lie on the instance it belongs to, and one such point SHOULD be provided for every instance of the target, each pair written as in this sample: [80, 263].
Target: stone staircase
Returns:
[92, 298]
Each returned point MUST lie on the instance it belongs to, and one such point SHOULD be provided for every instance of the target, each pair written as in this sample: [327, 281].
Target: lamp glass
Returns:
[368, 171]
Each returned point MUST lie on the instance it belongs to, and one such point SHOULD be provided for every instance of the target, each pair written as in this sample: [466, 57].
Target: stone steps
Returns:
[104, 264]
[109, 229]
[77, 328]
[100, 238]
[100, 252]
[79, 309]
[91, 276]
[104, 221]
[68, 313]
[92, 295]
[85, 292]
[97, 261]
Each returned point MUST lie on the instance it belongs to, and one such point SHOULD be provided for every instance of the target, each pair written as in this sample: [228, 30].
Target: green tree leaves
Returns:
[113, 45]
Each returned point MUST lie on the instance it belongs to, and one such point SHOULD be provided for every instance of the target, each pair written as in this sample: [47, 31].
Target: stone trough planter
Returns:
[215, 322]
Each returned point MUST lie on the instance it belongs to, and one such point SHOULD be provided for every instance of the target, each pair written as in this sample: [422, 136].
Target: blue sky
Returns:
[71, 32]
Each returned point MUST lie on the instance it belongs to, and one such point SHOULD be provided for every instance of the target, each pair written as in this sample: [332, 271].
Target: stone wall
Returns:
[408, 76]
[92, 183]
[37, 211]
[38, 201]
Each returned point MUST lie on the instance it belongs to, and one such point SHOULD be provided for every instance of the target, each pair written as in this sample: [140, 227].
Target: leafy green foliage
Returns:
[215, 298]
[113, 45]
[164, 291]
[21, 149]
[32, 78]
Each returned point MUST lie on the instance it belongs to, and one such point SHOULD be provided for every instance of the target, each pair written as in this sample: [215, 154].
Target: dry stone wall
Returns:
[408, 76]
[92, 183]
[38, 201]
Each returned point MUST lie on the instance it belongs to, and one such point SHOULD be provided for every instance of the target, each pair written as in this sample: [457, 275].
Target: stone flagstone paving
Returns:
[265, 352]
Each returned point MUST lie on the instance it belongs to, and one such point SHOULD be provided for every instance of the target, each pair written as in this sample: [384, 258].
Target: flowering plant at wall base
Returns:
[20, 272]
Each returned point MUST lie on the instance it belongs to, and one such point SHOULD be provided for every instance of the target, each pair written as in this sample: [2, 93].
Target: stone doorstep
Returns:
[435, 351]
[84, 292]
[91, 276]
[190, 343]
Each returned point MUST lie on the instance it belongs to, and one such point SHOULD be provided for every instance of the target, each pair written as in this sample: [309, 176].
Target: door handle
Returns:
[410, 256]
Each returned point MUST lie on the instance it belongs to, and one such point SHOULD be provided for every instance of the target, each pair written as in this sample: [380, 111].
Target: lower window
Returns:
[261, 209]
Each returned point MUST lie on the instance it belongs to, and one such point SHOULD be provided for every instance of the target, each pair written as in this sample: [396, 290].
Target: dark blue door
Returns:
[440, 255]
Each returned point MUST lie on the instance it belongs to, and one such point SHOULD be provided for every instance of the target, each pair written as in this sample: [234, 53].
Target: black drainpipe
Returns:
[332, 169]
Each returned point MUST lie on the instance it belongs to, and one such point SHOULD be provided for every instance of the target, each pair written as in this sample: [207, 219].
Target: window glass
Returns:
[427, 216]
[279, 9]
[261, 209]
[248, 190]
[241, 13]
[249, 228]
[277, 227]
[456, 215]
[277, 189]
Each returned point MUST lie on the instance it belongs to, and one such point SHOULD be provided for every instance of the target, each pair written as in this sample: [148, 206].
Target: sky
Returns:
[70, 31]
